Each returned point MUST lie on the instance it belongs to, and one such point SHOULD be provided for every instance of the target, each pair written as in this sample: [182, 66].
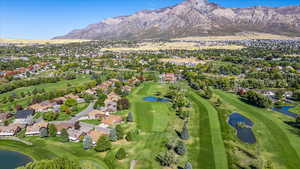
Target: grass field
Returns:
[41, 42]
[156, 46]
[239, 36]
[50, 148]
[207, 150]
[295, 109]
[277, 141]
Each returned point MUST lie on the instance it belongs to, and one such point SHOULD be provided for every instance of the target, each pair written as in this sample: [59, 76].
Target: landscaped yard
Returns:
[276, 141]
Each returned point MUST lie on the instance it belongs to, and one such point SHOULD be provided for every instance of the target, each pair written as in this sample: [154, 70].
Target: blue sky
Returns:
[44, 19]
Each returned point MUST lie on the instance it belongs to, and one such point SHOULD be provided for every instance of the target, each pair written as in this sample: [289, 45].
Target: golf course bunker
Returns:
[243, 126]
[285, 110]
[156, 99]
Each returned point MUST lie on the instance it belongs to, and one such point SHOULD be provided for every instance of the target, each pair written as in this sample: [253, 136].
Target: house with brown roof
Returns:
[112, 120]
[63, 125]
[4, 116]
[42, 107]
[35, 129]
[96, 114]
[168, 77]
[96, 134]
[11, 130]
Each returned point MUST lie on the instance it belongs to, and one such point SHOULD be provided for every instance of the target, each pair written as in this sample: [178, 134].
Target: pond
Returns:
[156, 99]
[243, 125]
[12, 160]
[285, 110]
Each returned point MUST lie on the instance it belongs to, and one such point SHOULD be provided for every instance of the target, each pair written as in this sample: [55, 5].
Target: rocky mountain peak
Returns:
[193, 18]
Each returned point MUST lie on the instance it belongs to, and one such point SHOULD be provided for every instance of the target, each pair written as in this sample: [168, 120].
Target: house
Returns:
[24, 116]
[59, 100]
[42, 107]
[112, 119]
[96, 134]
[113, 97]
[72, 96]
[10, 130]
[63, 125]
[4, 116]
[96, 114]
[35, 129]
[168, 77]
[74, 135]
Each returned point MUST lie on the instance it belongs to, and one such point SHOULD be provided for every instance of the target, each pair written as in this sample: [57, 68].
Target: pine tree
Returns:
[185, 132]
[52, 130]
[103, 144]
[130, 117]
[113, 135]
[120, 132]
[180, 148]
[43, 132]
[87, 142]
[64, 136]
[121, 154]
[188, 165]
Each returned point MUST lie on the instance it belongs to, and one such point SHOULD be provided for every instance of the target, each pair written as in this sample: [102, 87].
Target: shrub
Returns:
[103, 144]
[180, 148]
[121, 154]
[87, 142]
[52, 130]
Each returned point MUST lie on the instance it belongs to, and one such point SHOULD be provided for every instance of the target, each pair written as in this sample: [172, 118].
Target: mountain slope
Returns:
[193, 18]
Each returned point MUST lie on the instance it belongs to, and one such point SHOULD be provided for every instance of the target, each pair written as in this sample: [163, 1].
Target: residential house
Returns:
[42, 107]
[74, 135]
[96, 134]
[63, 125]
[96, 114]
[10, 130]
[59, 100]
[24, 116]
[112, 120]
[168, 77]
[4, 116]
[35, 129]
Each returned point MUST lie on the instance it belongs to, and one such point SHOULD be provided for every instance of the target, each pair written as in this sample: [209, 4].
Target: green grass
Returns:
[50, 148]
[277, 141]
[207, 150]
[94, 122]
[296, 109]
[150, 116]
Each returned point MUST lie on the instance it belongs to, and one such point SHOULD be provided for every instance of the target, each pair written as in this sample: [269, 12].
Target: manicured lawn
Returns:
[94, 122]
[50, 148]
[207, 149]
[276, 141]
[150, 116]
[295, 109]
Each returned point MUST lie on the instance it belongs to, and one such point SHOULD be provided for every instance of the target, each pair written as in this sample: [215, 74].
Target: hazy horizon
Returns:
[41, 20]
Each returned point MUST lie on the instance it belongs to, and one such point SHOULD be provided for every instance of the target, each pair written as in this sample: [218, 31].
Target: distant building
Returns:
[168, 77]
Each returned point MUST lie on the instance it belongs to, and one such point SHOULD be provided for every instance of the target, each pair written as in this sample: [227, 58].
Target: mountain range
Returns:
[193, 18]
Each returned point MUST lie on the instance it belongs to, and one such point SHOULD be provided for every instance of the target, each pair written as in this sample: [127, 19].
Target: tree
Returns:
[188, 165]
[180, 148]
[113, 135]
[296, 95]
[52, 130]
[43, 132]
[129, 117]
[185, 132]
[166, 159]
[121, 154]
[298, 119]
[103, 144]
[87, 142]
[77, 125]
[120, 132]
[50, 116]
[64, 136]
[257, 99]
[123, 104]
